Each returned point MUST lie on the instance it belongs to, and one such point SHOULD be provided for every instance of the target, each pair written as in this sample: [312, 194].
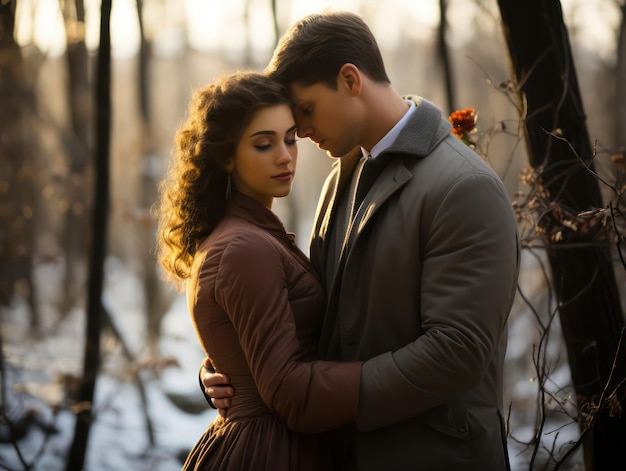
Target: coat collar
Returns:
[423, 131]
[254, 212]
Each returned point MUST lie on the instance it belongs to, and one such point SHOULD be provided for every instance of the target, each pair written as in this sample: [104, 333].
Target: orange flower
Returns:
[463, 122]
[619, 159]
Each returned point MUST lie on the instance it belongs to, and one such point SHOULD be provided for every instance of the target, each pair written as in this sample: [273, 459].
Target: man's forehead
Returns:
[297, 93]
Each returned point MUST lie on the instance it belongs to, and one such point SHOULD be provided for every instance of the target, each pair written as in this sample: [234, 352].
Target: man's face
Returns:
[328, 117]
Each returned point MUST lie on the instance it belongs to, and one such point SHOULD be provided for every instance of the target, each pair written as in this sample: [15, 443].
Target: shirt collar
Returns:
[391, 136]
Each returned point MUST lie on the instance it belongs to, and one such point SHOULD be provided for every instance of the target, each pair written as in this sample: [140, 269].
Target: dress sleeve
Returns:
[252, 287]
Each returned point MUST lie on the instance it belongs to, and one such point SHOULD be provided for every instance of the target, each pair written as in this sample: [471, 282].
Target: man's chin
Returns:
[335, 154]
[344, 153]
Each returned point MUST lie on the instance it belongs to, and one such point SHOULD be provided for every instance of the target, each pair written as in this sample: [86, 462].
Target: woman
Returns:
[254, 299]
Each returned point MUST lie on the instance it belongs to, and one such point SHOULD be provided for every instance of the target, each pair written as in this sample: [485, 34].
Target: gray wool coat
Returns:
[423, 289]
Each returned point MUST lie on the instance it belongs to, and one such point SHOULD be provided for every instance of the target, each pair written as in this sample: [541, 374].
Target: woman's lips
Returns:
[283, 177]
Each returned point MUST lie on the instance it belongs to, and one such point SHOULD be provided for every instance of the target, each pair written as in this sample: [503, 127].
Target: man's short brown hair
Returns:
[316, 47]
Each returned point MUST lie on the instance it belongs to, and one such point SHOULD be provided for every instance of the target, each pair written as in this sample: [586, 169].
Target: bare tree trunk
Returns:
[18, 170]
[75, 235]
[145, 49]
[10, 62]
[619, 140]
[584, 280]
[78, 84]
[91, 364]
[156, 301]
[444, 57]
[247, 58]
[275, 22]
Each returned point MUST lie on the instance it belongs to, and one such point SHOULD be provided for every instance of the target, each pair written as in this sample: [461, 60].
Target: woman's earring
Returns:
[228, 189]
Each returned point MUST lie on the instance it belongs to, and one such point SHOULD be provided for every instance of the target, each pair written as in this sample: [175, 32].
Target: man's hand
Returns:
[217, 387]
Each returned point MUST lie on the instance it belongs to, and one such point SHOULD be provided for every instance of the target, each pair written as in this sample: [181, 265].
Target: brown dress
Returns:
[257, 307]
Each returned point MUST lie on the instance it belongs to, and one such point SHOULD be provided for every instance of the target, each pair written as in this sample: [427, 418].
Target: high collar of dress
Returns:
[246, 207]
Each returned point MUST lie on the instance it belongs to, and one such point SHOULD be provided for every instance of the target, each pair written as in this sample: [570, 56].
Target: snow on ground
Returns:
[118, 438]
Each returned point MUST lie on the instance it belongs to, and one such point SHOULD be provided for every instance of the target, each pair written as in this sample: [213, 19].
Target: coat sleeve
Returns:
[469, 271]
[252, 287]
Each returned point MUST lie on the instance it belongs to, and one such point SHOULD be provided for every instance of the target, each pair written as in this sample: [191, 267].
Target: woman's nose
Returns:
[285, 154]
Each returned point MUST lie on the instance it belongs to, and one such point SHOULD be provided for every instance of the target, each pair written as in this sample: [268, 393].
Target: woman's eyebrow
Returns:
[271, 133]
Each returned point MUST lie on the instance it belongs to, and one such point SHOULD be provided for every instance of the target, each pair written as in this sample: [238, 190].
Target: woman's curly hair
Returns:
[193, 191]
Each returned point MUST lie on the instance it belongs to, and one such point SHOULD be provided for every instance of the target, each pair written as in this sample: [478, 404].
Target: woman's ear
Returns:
[230, 166]
[350, 77]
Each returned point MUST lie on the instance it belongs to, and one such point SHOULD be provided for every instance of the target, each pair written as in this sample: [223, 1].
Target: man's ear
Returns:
[350, 77]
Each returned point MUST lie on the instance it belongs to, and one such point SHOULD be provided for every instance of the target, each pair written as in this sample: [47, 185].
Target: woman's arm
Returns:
[253, 288]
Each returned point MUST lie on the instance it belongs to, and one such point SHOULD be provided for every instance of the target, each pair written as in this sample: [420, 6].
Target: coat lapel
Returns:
[338, 182]
[394, 176]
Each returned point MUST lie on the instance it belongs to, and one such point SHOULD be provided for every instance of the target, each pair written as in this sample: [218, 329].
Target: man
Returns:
[420, 269]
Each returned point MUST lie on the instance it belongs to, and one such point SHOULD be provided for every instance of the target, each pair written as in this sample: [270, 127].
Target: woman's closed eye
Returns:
[291, 141]
[291, 138]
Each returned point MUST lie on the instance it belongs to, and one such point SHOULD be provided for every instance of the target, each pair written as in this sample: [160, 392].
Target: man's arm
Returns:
[216, 388]
[467, 285]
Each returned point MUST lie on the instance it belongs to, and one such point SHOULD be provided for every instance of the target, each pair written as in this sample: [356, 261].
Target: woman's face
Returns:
[265, 159]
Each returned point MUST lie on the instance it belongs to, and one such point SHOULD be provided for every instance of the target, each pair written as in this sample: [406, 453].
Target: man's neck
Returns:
[385, 108]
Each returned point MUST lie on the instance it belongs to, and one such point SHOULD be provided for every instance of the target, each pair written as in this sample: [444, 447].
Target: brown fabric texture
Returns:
[257, 307]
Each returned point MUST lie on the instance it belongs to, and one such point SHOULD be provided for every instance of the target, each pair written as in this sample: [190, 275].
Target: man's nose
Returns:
[304, 130]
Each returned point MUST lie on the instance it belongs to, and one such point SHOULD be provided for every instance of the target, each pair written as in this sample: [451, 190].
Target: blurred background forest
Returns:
[148, 410]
